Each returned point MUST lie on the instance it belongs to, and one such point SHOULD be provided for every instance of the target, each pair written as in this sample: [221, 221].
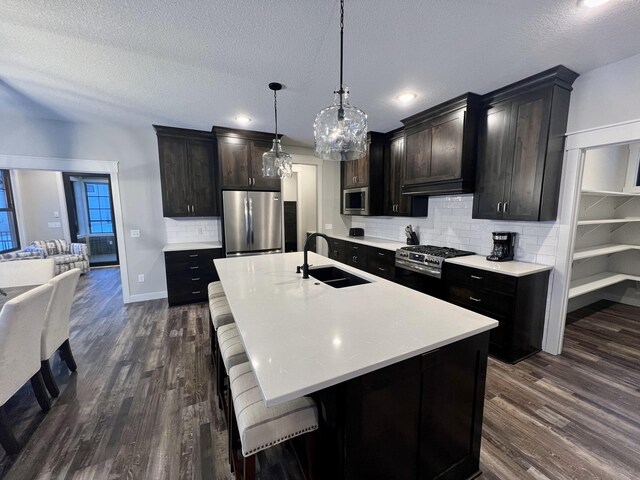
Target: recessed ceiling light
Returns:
[592, 3]
[243, 119]
[406, 97]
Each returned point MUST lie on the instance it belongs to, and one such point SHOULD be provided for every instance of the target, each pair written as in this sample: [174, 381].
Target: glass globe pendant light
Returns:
[276, 162]
[340, 131]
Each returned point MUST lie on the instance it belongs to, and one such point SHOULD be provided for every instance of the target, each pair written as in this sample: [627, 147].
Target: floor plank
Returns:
[142, 404]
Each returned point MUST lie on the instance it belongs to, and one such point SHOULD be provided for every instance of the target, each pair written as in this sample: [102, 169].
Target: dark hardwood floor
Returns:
[142, 404]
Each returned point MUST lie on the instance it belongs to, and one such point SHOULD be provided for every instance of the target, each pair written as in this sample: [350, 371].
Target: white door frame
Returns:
[18, 162]
[577, 143]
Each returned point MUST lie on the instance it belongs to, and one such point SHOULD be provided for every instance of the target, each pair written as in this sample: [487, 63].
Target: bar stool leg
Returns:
[7, 440]
[249, 468]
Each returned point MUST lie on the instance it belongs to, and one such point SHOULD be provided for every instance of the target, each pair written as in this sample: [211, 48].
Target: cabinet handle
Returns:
[196, 292]
[475, 299]
[194, 268]
[381, 269]
[475, 277]
[194, 255]
[505, 207]
[499, 207]
[195, 279]
[381, 254]
[355, 259]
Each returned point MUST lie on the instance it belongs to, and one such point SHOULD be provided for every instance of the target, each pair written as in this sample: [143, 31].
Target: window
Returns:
[9, 239]
[99, 203]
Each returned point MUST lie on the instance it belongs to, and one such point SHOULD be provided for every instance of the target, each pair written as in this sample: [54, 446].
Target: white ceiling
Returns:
[200, 63]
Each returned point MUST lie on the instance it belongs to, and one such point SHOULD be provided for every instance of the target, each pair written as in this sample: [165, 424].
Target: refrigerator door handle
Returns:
[247, 227]
[251, 218]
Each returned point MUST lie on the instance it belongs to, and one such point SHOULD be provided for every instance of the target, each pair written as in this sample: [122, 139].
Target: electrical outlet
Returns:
[135, 233]
[141, 277]
[56, 214]
[328, 226]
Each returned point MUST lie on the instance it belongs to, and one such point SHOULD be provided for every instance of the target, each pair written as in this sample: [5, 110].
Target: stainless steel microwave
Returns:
[355, 201]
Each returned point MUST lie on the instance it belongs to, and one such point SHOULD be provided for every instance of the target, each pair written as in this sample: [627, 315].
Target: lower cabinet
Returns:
[356, 255]
[337, 250]
[381, 262]
[518, 303]
[189, 273]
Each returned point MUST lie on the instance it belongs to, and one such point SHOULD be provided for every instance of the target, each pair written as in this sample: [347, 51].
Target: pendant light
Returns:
[340, 131]
[276, 162]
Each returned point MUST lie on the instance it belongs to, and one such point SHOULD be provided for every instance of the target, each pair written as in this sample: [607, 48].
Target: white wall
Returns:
[606, 95]
[307, 201]
[136, 150]
[606, 168]
[40, 200]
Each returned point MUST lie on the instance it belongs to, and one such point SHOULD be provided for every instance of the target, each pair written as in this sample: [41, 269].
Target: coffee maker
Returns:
[504, 244]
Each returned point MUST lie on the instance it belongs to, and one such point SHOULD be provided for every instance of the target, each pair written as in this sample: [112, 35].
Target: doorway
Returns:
[89, 201]
[300, 196]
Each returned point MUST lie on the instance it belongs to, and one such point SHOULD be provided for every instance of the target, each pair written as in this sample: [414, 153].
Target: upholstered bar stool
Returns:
[219, 314]
[231, 353]
[260, 427]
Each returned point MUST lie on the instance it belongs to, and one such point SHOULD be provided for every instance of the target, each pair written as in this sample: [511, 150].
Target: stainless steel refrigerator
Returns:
[252, 222]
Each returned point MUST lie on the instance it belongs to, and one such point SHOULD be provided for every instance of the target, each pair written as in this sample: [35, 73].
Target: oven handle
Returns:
[432, 272]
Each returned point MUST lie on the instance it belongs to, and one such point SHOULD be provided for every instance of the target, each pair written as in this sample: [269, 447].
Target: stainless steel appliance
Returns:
[426, 259]
[252, 222]
[504, 245]
[355, 201]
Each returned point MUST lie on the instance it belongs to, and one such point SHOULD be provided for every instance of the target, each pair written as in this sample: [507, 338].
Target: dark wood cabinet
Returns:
[240, 159]
[440, 148]
[520, 149]
[187, 172]
[189, 273]
[356, 255]
[338, 250]
[381, 262]
[518, 303]
[367, 172]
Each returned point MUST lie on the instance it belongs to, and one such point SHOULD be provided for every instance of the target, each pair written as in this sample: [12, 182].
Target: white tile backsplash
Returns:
[183, 230]
[450, 224]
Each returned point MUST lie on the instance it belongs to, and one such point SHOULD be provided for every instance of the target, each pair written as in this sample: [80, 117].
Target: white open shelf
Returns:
[605, 193]
[598, 281]
[600, 250]
[604, 221]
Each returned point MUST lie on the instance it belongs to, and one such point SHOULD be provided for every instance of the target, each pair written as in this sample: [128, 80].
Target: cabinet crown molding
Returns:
[182, 132]
[244, 134]
[466, 100]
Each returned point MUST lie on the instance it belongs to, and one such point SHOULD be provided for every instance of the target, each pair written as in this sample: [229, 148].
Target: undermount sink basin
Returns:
[335, 277]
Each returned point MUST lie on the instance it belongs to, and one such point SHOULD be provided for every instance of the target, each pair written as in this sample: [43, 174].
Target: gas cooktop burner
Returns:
[426, 259]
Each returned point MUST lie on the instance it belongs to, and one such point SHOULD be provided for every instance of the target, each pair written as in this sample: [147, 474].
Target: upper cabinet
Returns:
[240, 159]
[187, 172]
[440, 148]
[520, 148]
[367, 172]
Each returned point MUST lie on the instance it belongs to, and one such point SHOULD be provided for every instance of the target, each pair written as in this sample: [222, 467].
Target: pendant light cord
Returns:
[275, 110]
[341, 90]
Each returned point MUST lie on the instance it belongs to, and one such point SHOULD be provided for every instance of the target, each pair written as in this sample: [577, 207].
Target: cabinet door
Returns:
[203, 191]
[493, 150]
[523, 185]
[349, 169]
[361, 169]
[174, 176]
[418, 159]
[446, 147]
[260, 182]
[233, 157]
[396, 204]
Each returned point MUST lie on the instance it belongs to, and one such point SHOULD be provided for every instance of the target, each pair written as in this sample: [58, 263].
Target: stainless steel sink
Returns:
[335, 277]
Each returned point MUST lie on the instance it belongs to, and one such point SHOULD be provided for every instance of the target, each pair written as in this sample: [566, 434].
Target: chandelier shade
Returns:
[276, 163]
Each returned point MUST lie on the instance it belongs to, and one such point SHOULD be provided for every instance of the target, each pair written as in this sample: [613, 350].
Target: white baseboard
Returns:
[634, 302]
[143, 297]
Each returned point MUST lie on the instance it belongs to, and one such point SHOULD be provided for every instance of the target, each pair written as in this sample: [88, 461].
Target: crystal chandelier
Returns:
[276, 162]
[340, 131]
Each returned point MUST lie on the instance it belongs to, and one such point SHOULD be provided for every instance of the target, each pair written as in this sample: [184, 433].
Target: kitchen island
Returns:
[399, 376]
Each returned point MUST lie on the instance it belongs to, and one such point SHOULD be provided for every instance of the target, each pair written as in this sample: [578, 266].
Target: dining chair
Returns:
[21, 322]
[55, 334]
[20, 273]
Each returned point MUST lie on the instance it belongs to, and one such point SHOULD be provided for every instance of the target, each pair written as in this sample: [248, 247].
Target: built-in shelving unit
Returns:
[607, 241]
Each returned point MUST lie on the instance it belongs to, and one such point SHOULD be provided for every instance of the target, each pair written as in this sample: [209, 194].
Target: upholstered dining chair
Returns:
[20, 273]
[21, 322]
[55, 334]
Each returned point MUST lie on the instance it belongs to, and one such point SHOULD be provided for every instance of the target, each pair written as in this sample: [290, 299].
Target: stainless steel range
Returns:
[426, 259]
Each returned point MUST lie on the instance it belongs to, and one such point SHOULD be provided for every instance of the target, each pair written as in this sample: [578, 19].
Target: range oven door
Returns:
[419, 281]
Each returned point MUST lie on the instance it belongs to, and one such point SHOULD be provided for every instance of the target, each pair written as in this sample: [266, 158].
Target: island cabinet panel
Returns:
[440, 148]
[520, 148]
[411, 420]
[240, 159]
[189, 273]
[187, 172]
[356, 255]
[518, 303]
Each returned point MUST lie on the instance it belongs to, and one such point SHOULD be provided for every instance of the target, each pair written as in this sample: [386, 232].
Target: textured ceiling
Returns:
[200, 63]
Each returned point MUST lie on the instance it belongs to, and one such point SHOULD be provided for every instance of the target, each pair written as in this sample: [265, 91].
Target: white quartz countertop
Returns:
[513, 268]
[371, 241]
[302, 336]
[178, 247]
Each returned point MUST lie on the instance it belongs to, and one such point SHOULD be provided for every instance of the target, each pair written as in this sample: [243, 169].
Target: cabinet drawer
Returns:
[337, 250]
[381, 268]
[490, 303]
[480, 279]
[381, 256]
[192, 255]
[356, 255]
